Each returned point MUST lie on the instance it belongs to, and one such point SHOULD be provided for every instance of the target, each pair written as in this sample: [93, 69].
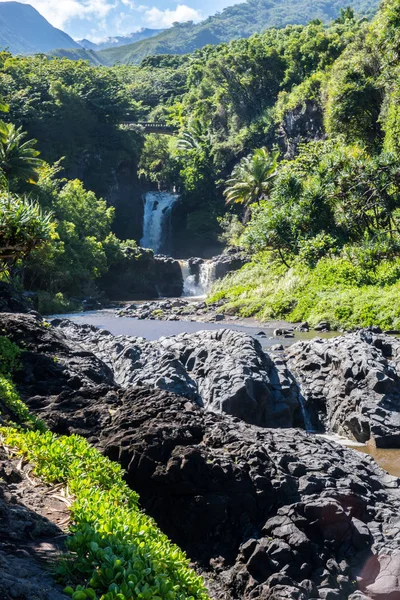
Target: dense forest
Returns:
[287, 145]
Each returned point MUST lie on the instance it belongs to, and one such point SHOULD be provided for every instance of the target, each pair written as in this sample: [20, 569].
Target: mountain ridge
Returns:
[238, 21]
[23, 30]
[120, 40]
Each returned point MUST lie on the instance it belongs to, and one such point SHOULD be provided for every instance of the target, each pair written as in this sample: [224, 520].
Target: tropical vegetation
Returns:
[286, 143]
[234, 22]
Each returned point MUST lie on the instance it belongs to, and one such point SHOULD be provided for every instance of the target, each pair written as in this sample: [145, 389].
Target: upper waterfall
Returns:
[156, 220]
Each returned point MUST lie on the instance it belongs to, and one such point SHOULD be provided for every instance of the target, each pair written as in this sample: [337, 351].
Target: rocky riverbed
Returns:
[197, 310]
[177, 309]
[211, 432]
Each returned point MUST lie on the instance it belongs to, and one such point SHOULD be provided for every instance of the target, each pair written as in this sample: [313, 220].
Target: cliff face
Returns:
[126, 195]
[300, 125]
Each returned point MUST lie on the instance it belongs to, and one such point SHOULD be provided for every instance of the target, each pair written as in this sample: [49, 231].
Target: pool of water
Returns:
[154, 329]
[387, 458]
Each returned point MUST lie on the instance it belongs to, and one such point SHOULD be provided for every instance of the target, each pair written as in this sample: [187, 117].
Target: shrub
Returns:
[24, 226]
[9, 354]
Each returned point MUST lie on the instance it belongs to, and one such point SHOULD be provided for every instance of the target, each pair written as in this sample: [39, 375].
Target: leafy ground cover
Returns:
[116, 552]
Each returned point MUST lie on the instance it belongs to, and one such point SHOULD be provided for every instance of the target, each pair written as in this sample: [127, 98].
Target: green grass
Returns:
[336, 290]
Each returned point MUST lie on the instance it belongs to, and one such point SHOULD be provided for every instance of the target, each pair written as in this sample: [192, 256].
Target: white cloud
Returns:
[164, 18]
[59, 13]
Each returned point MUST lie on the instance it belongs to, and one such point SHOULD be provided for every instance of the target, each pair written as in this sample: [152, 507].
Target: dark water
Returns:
[154, 329]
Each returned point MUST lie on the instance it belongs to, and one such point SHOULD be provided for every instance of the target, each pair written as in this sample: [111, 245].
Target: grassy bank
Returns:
[116, 552]
[337, 289]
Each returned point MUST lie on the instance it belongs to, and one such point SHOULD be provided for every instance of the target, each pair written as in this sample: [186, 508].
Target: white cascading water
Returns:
[156, 220]
[207, 275]
[190, 286]
[206, 278]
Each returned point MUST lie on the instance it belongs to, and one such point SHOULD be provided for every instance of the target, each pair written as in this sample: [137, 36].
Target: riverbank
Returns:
[337, 290]
[211, 432]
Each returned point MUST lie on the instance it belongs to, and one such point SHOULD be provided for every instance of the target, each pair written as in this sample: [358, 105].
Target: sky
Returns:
[97, 19]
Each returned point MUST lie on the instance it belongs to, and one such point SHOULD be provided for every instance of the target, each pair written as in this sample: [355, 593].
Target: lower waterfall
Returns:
[156, 221]
[197, 286]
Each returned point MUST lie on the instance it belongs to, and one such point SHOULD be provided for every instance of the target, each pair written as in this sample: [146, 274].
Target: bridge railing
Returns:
[150, 125]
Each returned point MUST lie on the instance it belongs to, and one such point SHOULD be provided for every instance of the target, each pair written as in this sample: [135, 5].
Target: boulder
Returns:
[11, 300]
[351, 385]
[223, 371]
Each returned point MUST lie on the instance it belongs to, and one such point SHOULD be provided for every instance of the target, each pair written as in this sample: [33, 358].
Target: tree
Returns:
[24, 226]
[252, 177]
[195, 137]
[18, 159]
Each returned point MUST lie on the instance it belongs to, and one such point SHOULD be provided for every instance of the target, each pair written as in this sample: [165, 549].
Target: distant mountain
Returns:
[117, 41]
[238, 21]
[88, 45]
[24, 31]
[79, 54]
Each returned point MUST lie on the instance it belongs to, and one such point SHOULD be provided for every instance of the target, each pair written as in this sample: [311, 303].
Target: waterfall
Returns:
[156, 220]
[207, 275]
[193, 286]
[307, 421]
[190, 285]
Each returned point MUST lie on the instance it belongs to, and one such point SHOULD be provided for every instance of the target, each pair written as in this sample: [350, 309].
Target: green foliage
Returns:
[18, 159]
[12, 407]
[328, 189]
[232, 229]
[73, 110]
[59, 303]
[308, 90]
[354, 96]
[9, 354]
[78, 253]
[117, 552]
[251, 179]
[337, 289]
[157, 164]
[24, 227]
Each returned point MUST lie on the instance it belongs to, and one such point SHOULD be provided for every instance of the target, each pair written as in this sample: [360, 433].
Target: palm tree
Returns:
[196, 136]
[24, 227]
[18, 159]
[252, 178]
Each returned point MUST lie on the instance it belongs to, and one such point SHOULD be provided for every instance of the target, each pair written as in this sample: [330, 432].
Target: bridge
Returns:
[157, 127]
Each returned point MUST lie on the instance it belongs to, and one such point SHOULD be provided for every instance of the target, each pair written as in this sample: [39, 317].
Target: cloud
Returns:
[164, 18]
[59, 13]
